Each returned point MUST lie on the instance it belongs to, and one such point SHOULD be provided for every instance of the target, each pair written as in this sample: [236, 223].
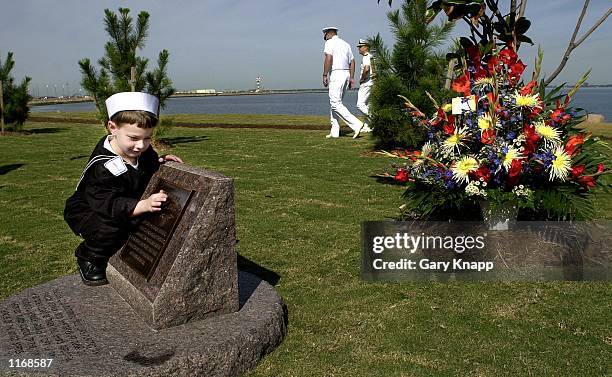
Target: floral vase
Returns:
[498, 217]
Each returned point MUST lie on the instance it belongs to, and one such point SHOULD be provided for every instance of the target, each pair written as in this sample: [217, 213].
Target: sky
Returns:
[225, 44]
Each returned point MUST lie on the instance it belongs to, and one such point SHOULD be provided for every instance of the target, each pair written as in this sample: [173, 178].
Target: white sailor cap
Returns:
[328, 28]
[131, 101]
[362, 42]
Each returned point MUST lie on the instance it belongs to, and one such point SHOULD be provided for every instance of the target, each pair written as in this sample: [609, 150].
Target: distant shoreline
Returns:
[60, 101]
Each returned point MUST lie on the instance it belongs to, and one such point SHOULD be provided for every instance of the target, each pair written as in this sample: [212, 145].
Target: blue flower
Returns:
[511, 135]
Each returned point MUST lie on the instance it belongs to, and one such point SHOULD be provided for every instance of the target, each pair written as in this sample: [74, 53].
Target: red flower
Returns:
[482, 172]
[492, 98]
[401, 175]
[559, 116]
[573, 144]
[535, 111]
[514, 172]
[480, 73]
[439, 119]
[587, 181]
[531, 139]
[493, 64]
[462, 84]
[508, 56]
[488, 136]
[474, 55]
[515, 70]
[577, 171]
[528, 89]
[449, 127]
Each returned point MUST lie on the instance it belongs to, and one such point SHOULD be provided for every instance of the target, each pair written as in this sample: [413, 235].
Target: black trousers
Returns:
[101, 241]
[98, 252]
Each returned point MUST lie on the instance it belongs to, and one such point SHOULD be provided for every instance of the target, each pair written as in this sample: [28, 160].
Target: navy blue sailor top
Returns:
[105, 197]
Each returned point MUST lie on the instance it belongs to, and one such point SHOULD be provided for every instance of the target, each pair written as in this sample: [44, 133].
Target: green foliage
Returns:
[120, 56]
[423, 203]
[412, 68]
[15, 97]
[158, 82]
[397, 129]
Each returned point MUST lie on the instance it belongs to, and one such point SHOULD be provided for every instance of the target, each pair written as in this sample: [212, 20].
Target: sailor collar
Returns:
[107, 146]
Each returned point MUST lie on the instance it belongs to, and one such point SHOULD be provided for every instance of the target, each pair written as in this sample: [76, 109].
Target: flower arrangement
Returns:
[502, 142]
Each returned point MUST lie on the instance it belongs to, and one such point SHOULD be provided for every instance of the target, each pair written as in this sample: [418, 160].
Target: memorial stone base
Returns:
[92, 331]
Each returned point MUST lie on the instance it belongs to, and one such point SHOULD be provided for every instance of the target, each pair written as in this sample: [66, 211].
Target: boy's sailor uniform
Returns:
[106, 195]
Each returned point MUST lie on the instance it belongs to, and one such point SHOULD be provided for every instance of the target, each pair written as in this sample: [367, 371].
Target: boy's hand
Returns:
[152, 204]
[170, 157]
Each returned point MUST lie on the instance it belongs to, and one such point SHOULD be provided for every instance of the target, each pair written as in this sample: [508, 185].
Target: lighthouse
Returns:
[258, 80]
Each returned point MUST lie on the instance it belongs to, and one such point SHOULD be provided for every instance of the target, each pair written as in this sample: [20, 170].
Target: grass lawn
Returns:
[300, 199]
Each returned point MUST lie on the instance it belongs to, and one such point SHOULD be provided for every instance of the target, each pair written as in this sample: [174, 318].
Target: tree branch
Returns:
[473, 29]
[570, 45]
[522, 8]
[595, 26]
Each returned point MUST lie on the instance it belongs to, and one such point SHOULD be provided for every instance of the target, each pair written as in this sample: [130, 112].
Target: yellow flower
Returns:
[463, 167]
[512, 154]
[448, 107]
[526, 101]
[548, 133]
[484, 81]
[561, 165]
[485, 122]
[455, 140]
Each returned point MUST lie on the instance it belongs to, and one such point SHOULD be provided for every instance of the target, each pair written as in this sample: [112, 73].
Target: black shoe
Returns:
[92, 274]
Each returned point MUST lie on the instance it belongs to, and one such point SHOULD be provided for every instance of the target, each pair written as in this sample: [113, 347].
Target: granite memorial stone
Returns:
[180, 264]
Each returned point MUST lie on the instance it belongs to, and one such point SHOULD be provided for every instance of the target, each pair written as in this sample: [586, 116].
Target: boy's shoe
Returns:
[91, 274]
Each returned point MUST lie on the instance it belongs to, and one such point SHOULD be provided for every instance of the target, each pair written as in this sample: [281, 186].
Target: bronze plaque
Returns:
[147, 244]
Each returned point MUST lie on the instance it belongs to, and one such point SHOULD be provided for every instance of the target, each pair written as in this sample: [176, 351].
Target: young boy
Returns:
[106, 204]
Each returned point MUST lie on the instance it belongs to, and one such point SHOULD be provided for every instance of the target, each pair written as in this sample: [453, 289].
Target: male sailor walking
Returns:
[338, 71]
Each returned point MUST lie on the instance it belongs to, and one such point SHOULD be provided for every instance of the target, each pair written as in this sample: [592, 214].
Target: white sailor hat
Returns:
[362, 42]
[328, 28]
[131, 101]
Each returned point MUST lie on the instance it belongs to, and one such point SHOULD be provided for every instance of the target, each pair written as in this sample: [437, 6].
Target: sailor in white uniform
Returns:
[338, 71]
[366, 77]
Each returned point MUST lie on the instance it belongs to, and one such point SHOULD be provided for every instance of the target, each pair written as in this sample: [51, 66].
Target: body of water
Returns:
[594, 100]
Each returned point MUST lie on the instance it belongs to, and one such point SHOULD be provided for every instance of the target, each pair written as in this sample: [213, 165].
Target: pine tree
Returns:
[120, 58]
[15, 97]
[411, 69]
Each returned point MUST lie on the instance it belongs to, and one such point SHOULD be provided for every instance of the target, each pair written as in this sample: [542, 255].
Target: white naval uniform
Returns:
[338, 84]
[363, 95]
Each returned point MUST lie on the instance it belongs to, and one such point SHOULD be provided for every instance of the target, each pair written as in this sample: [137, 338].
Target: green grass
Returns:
[300, 199]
